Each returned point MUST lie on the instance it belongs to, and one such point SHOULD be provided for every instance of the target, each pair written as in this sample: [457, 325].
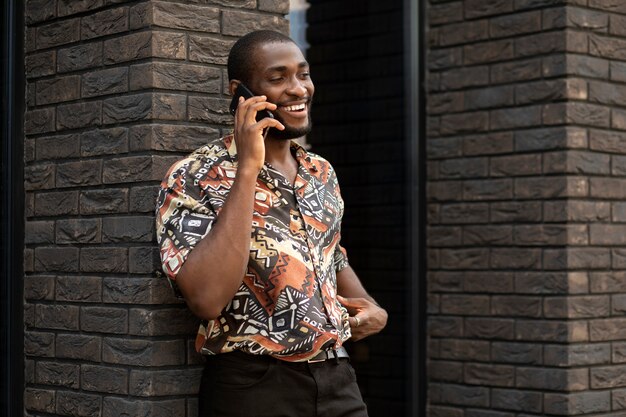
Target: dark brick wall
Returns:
[526, 164]
[356, 58]
[116, 91]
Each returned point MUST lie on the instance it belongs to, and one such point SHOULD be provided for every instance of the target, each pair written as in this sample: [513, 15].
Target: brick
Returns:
[618, 119]
[39, 400]
[111, 200]
[472, 258]
[487, 235]
[169, 45]
[464, 122]
[75, 346]
[515, 24]
[115, 406]
[465, 304]
[489, 97]
[58, 33]
[144, 106]
[618, 165]
[171, 76]
[167, 321]
[57, 147]
[609, 5]
[170, 137]
[617, 71]
[457, 78]
[77, 174]
[577, 403]
[517, 353]
[490, 375]
[577, 258]
[577, 355]
[69, 7]
[104, 379]
[143, 352]
[104, 319]
[78, 404]
[444, 58]
[581, 65]
[445, 326]
[441, 148]
[489, 328]
[59, 374]
[551, 235]
[618, 304]
[127, 48]
[608, 376]
[445, 13]
[61, 317]
[461, 395]
[551, 138]
[515, 71]
[210, 50]
[551, 331]
[552, 379]
[38, 232]
[607, 234]
[107, 22]
[551, 90]
[515, 165]
[464, 213]
[79, 57]
[444, 236]
[608, 282]
[576, 307]
[575, 162]
[78, 231]
[39, 121]
[237, 23]
[39, 344]
[79, 115]
[463, 168]
[39, 177]
[129, 169]
[209, 109]
[488, 282]
[38, 287]
[274, 6]
[618, 353]
[516, 306]
[551, 187]
[518, 400]
[486, 52]
[59, 89]
[607, 329]
[108, 81]
[610, 188]
[142, 199]
[445, 371]
[81, 288]
[515, 258]
[573, 17]
[127, 229]
[184, 16]
[104, 141]
[149, 383]
[475, 8]
[576, 113]
[39, 11]
[103, 259]
[515, 211]
[606, 47]
[488, 189]
[56, 259]
[619, 258]
[465, 32]
[56, 203]
[40, 64]
[137, 291]
[576, 210]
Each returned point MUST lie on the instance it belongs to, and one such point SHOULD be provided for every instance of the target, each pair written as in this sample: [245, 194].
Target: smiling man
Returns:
[249, 231]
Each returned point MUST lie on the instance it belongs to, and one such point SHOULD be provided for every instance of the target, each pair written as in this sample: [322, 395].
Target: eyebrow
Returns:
[282, 68]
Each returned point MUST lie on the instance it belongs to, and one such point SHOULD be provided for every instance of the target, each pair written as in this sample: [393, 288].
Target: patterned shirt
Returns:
[286, 305]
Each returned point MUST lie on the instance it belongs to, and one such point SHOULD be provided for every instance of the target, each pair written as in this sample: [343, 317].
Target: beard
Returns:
[291, 132]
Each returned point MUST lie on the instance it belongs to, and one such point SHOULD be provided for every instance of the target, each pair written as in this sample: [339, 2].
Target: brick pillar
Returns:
[527, 241]
[116, 92]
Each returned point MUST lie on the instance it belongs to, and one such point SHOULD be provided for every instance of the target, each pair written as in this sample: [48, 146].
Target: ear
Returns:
[232, 86]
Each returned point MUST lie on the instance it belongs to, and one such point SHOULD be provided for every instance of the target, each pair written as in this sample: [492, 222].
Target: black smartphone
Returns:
[243, 91]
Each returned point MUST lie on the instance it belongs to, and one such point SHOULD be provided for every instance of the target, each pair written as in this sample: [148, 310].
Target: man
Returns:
[249, 229]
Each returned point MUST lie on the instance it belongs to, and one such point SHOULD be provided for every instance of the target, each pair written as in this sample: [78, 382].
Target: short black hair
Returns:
[240, 62]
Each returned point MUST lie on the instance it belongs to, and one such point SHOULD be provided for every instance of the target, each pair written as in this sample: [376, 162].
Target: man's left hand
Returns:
[366, 318]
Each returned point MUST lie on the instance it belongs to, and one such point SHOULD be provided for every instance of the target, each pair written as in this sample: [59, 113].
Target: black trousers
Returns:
[241, 385]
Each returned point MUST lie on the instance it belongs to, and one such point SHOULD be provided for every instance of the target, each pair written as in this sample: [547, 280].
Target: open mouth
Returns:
[296, 108]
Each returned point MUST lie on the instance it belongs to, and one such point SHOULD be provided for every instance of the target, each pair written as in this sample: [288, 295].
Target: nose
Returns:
[297, 88]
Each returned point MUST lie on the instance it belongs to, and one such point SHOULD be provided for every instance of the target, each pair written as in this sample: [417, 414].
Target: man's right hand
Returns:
[248, 132]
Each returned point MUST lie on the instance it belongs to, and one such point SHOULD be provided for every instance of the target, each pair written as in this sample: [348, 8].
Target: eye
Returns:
[304, 75]
[276, 80]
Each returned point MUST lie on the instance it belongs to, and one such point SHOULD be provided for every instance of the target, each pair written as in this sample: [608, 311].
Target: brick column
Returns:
[527, 240]
[116, 92]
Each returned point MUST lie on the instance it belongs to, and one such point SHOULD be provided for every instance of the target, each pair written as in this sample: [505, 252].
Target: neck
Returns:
[277, 151]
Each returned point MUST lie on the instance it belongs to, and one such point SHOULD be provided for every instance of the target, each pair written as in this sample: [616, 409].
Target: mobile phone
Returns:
[243, 91]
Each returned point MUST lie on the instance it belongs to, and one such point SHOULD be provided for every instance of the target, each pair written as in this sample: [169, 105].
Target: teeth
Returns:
[295, 108]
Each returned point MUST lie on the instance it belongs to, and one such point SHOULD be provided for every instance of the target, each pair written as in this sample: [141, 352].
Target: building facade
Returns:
[481, 149]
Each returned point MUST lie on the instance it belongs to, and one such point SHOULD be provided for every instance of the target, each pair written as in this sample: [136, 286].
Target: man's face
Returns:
[282, 74]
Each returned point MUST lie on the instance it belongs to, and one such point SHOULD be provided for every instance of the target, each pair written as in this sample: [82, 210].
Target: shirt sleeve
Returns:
[182, 220]
[340, 258]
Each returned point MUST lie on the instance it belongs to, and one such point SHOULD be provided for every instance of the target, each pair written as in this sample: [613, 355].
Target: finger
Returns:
[268, 122]
[254, 108]
[353, 302]
[242, 107]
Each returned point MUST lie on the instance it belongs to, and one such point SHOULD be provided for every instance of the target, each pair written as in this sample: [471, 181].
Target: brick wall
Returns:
[356, 57]
[527, 246]
[116, 91]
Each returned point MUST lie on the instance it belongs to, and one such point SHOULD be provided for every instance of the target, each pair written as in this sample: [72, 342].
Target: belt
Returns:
[325, 355]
